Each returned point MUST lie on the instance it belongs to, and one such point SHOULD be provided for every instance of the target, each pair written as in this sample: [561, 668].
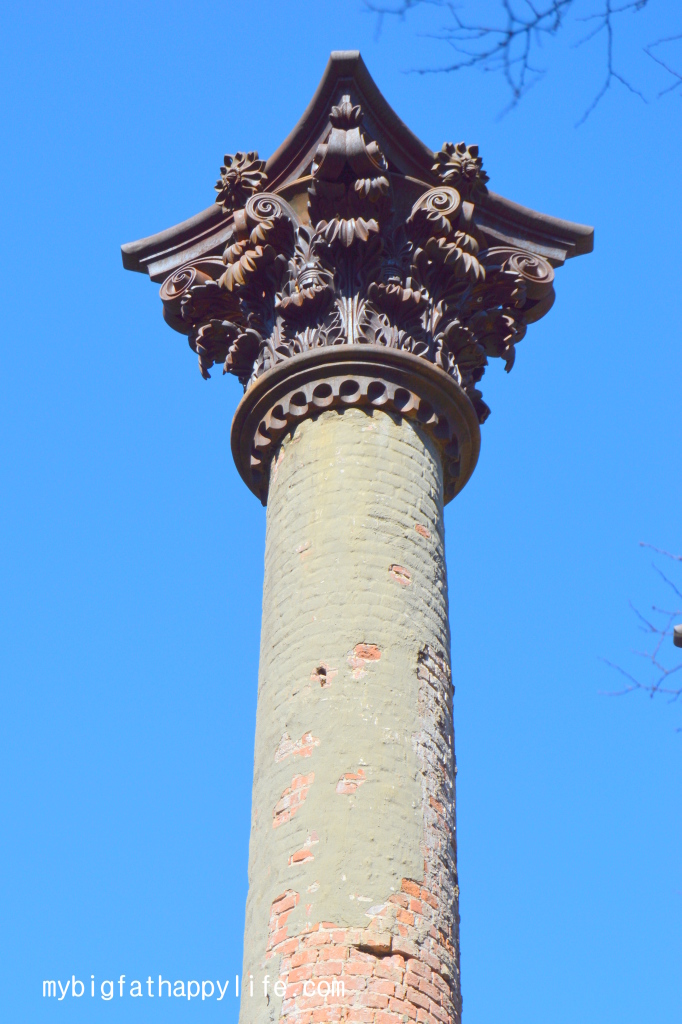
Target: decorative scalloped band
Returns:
[362, 376]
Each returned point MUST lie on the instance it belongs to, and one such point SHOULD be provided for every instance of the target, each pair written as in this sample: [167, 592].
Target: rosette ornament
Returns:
[241, 176]
[461, 167]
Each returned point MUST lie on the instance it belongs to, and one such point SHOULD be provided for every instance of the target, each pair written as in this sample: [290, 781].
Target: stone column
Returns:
[356, 284]
[352, 867]
[353, 896]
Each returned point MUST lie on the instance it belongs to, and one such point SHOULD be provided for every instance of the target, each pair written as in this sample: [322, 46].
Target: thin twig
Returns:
[661, 631]
[660, 551]
[677, 76]
[510, 46]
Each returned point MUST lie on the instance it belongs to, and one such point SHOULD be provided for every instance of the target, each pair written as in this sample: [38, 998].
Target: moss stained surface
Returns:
[355, 588]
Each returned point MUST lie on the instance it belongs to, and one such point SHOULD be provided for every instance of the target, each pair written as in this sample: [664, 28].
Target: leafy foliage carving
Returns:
[361, 271]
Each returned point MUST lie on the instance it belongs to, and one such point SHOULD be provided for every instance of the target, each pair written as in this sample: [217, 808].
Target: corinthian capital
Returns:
[364, 237]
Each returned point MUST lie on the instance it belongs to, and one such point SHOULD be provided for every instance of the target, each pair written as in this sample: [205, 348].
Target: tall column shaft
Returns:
[353, 897]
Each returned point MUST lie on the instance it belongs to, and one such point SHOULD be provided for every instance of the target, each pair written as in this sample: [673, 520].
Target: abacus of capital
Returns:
[356, 283]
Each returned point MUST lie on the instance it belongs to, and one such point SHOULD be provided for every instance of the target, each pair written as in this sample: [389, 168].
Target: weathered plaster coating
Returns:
[355, 590]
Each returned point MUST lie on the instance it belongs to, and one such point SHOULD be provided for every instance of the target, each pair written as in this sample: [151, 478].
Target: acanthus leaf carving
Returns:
[362, 271]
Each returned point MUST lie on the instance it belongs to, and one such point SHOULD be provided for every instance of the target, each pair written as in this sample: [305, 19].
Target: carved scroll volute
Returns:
[178, 288]
[268, 206]
[263, 234]
[435, 213]
[533, 278]
[537, 273]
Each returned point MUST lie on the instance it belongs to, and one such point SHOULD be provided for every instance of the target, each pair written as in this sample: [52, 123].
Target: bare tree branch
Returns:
[660, 551]
[510, 46]
[604, 20]
[660, 631]
[677, 76]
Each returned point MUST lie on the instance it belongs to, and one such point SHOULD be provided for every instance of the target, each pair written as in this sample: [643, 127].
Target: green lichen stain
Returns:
[346, 491]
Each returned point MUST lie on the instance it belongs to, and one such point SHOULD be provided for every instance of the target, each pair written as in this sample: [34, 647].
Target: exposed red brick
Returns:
[300, 857]
[376, 942]
[430, 990]
[440, 1014]
[386, 988]
[384, 1017]
[416, 967]
[301, 748]
[422, 531]
[291, 799]
[359, 967]
[385, 969]
[350, 782]
[304, 956]
[326, 968]
[430, 899]
[401, 574]
[361, 654]
[400, 1006]
[300, 974]
[404, 965]
[418, 998]
[334, 952]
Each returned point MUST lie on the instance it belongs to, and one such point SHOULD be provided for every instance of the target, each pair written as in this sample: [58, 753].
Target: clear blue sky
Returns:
[131, 553]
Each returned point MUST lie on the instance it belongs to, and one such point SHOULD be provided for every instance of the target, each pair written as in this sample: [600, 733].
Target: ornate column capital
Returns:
[354, 234]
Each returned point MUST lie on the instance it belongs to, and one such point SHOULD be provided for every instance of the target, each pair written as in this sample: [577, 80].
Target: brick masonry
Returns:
[353, 898]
